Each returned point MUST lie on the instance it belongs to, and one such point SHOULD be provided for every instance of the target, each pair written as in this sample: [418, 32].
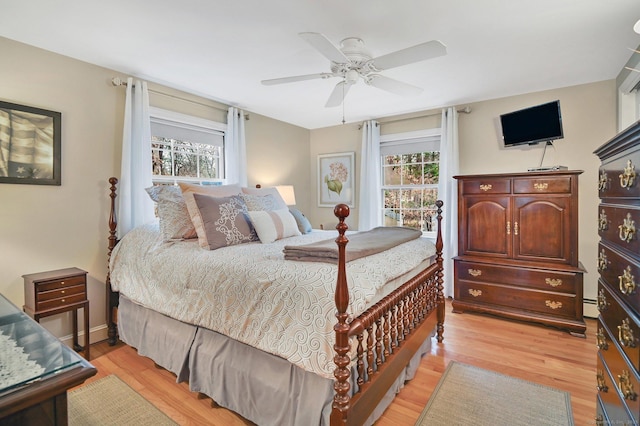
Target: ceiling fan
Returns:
[352, 61]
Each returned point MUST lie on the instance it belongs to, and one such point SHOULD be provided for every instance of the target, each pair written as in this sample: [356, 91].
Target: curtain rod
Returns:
[117, 81]
[465, 110]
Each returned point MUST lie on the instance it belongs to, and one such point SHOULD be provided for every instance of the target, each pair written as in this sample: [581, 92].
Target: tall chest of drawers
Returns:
[518, 248]
[618, 333]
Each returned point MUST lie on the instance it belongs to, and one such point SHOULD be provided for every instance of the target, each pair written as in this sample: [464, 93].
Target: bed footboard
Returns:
[388, 334]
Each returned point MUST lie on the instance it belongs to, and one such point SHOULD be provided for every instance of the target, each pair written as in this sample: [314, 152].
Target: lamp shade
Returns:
[287, 193]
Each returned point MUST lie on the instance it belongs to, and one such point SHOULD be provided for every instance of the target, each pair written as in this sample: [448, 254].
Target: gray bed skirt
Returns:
[261, 387]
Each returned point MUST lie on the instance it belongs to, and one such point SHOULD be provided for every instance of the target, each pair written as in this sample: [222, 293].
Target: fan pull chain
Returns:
[343, 83]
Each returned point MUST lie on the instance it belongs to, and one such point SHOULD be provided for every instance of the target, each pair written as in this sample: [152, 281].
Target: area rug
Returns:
[110, 401]
[468, 395]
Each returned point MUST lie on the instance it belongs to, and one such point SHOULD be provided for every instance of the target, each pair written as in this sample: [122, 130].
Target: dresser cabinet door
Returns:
[542, 229]
[486, 226]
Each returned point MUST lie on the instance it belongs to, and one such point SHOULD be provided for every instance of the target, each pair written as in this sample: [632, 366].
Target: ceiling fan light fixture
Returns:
[636, 27]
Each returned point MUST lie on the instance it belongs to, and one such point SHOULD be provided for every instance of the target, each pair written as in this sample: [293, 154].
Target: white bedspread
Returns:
[250, 293]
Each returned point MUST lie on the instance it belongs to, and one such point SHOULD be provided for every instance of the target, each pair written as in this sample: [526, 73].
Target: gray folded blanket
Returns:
[360, 244]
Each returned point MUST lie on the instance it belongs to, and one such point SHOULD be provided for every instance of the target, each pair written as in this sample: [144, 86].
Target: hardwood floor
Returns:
[531, 352]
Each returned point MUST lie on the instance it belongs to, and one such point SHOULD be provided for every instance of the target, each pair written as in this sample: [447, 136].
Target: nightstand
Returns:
[54, 292]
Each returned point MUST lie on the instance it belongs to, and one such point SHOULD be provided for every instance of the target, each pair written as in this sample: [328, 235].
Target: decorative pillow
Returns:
[274, 225]
[261, 202]
[220, 221]
[303, 223]
[266, 191]
[175, 222]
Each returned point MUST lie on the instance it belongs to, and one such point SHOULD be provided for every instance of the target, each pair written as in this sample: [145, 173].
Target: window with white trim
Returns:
[185, 148]
[410, 176]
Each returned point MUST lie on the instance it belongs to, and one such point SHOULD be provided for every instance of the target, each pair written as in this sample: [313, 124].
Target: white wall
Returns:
[52, 227]
[589, 120]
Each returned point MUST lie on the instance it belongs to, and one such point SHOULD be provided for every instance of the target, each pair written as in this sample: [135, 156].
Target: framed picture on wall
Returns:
[29, 145]
[336, 183]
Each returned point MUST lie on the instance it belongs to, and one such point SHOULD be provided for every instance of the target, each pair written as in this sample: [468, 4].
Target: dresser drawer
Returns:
[612, 402]
[541, 302]
[622, 324]
[616, 177]
[619, 226]
[486, 186]
[59, 283]
[543, 185]
[621, 273]
[556, 281]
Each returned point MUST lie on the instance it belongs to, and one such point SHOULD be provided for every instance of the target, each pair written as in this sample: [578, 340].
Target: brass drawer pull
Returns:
[62, 292]
[627, 284]
[541, 186]
[601, 340]
[553, 305]
[602, 384]
[626, 387]
[625, 334]
[486, 187]
[62, 301]
[603, 223]
[508, 228]
[475, 272]
[603, 262]
[603, 182]
[628, 175]
[602, 303]
[627, 229]
[553, 282]
[475, 293]
[515, 228]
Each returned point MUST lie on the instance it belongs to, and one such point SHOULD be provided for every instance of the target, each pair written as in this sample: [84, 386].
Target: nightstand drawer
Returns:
[61, 283]
[60, 302]
[61, 293]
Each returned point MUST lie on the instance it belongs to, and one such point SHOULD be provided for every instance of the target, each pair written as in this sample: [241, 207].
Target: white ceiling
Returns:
[223, 49]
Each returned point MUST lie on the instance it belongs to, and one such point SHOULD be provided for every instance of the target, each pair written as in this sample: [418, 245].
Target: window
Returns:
[186, 148]
[410, 176]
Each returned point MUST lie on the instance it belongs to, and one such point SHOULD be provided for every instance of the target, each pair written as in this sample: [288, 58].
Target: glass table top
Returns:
[28, 352]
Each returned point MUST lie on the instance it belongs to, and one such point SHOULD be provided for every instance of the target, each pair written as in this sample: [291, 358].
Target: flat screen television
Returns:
[540, 123]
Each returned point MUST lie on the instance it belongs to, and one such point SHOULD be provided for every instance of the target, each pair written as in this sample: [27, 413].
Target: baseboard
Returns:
[96, 334]
[590, 308]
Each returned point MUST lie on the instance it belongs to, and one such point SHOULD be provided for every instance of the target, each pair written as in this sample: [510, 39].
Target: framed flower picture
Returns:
[336, 183]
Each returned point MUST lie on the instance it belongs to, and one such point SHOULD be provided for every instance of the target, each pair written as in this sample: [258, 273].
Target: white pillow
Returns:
[274, 225]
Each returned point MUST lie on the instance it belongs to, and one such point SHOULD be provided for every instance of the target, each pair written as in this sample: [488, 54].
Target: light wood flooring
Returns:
[531, 352]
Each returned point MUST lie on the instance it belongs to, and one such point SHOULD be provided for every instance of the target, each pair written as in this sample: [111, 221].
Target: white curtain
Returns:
[448, 193]
[134, 205]
[235, 148]
[370, 190]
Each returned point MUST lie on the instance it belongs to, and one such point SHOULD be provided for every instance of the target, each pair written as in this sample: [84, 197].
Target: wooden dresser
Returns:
[518, 248]
[618, 333]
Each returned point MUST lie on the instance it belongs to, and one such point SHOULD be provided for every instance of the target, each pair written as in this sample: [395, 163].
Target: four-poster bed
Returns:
[285, 372]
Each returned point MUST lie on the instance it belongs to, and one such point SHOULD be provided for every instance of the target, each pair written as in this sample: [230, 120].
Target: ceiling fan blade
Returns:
[324, 46]
[297, 78]
[393, 86]
[420, 52]
[338, 94]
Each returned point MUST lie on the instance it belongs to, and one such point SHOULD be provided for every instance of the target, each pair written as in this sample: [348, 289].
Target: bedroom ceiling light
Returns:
[287, 193]
[636, 27]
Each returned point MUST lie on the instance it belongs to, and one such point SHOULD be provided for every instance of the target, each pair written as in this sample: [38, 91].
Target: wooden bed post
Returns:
[341, 359]
[113, 240]
[440, 297]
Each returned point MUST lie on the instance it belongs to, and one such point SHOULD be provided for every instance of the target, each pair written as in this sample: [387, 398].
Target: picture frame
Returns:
[30, 143]
[336, 181]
